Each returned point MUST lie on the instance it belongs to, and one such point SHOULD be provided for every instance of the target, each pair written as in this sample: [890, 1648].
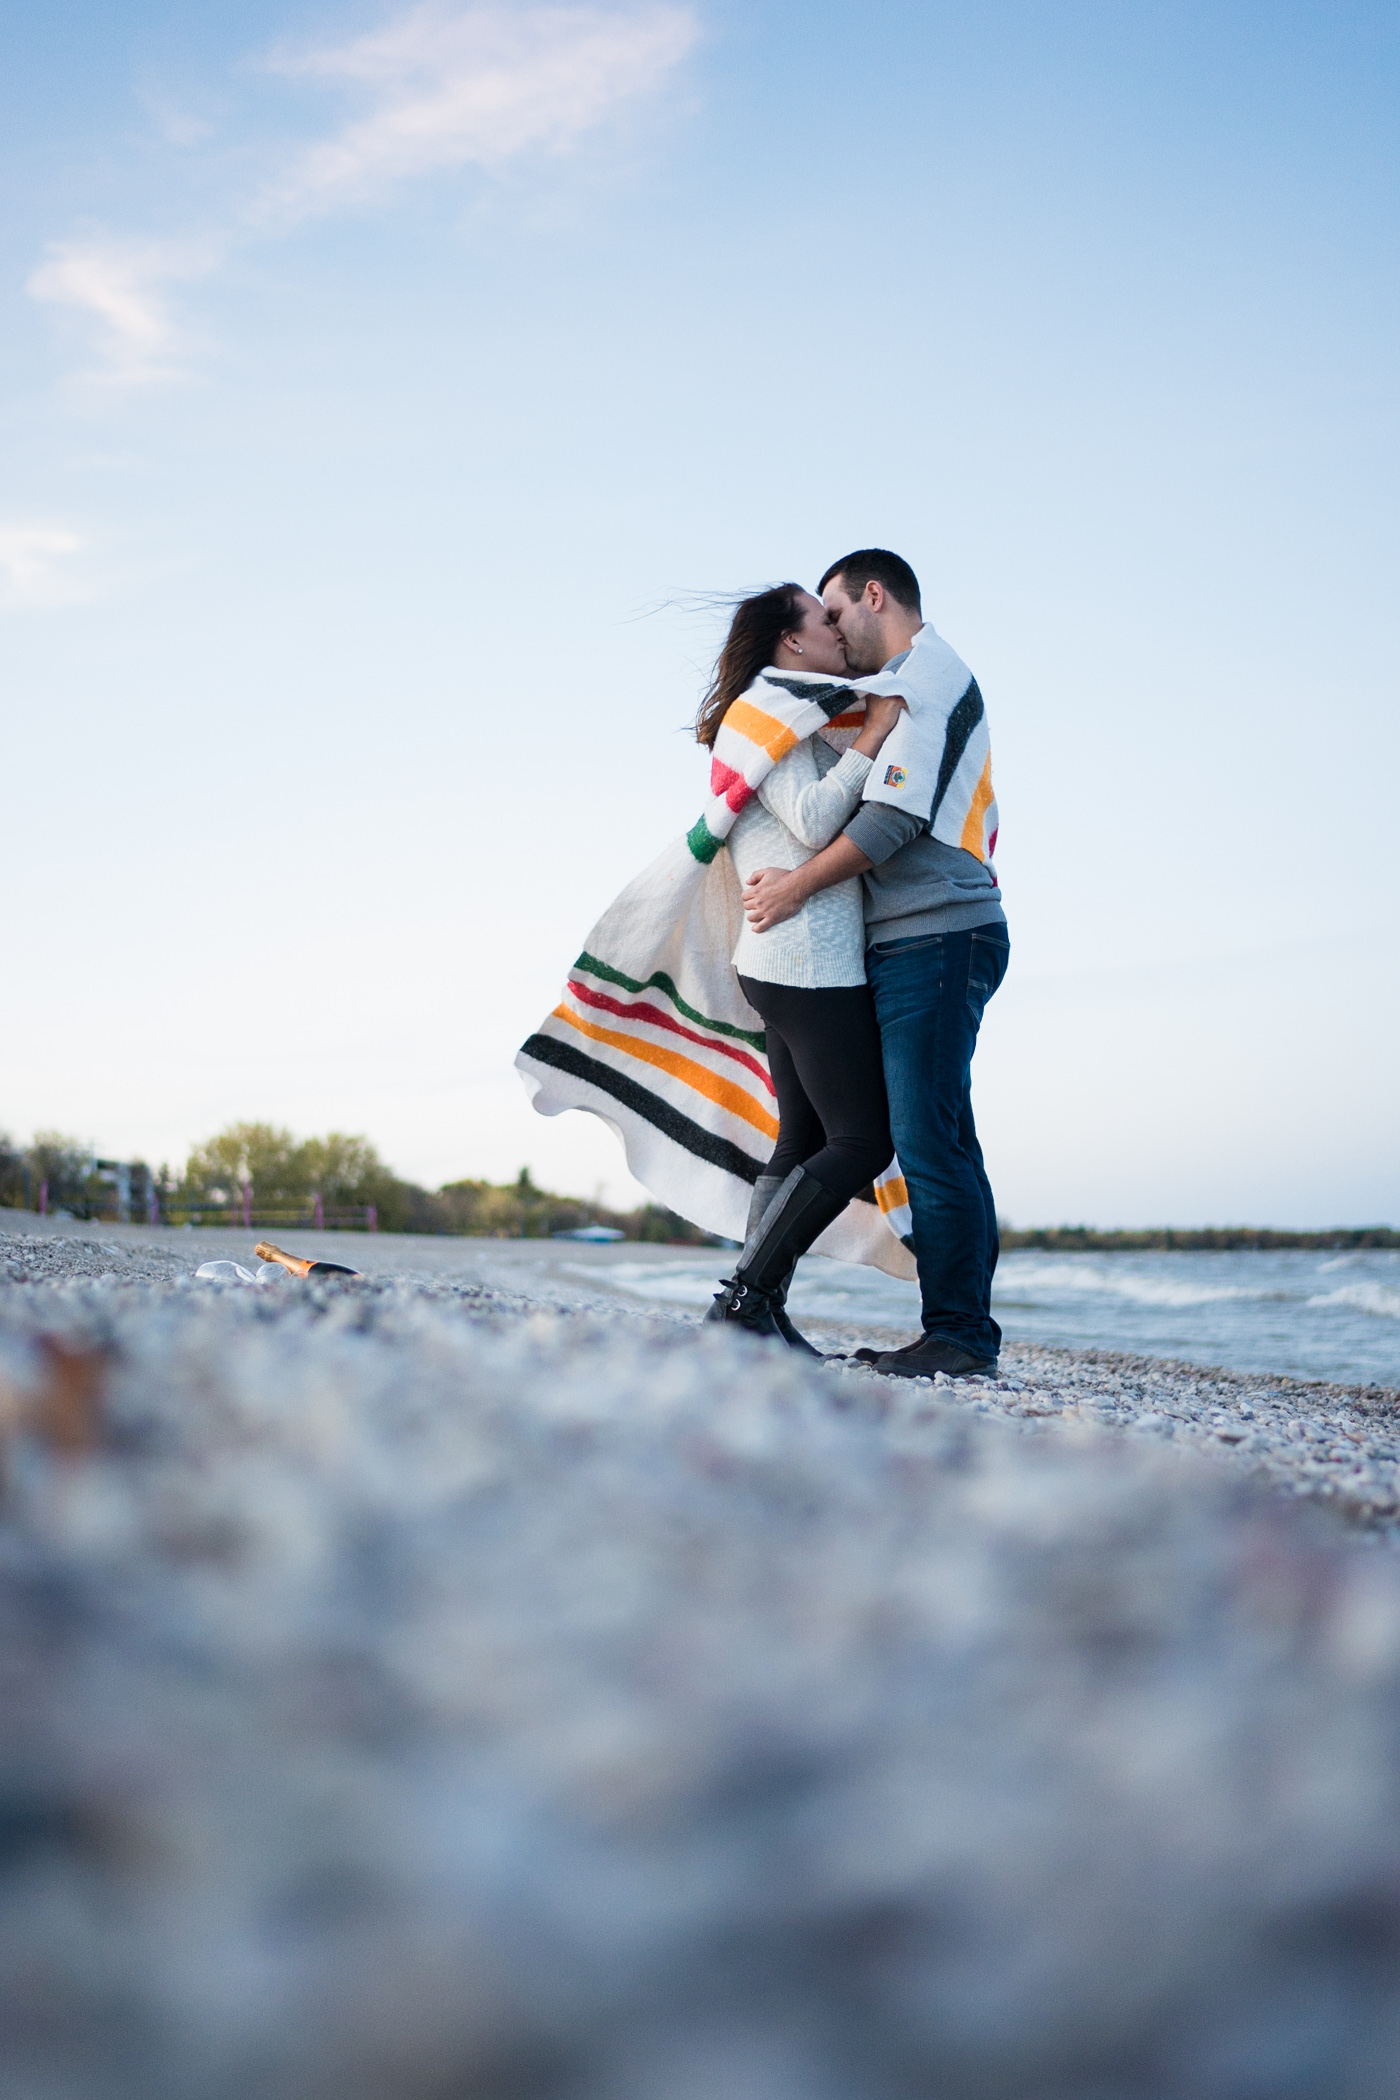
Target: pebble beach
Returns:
[457, 1680]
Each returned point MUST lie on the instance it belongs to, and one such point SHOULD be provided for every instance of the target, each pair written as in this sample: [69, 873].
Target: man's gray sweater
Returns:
[916, 885]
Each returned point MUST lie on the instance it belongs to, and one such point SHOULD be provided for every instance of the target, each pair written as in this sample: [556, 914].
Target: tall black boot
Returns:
[764, 1190]
[752, 1298]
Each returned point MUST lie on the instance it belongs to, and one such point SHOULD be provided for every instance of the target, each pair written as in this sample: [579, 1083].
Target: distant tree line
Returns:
[52, 1173]
[275, 1178]
[1221, 1239]
[341, 1180]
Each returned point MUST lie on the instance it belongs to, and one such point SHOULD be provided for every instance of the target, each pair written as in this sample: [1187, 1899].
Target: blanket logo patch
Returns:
[895, 776]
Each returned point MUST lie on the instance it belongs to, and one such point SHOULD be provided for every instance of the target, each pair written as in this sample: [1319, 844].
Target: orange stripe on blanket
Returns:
[657, 1017]
[891, 1194]
[971, 840]
[766, 731]
[721, 1091]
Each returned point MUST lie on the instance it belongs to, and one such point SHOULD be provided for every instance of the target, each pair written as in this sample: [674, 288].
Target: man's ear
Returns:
[874, 595]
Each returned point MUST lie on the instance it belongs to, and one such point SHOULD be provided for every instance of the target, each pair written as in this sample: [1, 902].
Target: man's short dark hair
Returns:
[876, 565]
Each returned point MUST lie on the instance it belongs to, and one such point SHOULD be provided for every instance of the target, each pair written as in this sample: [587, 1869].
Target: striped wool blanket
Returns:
[653, 1033]
[938, 757]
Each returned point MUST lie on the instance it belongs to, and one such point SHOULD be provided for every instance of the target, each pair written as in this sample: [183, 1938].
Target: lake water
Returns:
[1310, 1315]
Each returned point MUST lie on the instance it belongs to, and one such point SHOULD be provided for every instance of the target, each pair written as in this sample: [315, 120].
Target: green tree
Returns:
[340, 1166]
[287, 1173]
[65, 1163]
[260, 1153]
[347, 1173]
[11, 1173]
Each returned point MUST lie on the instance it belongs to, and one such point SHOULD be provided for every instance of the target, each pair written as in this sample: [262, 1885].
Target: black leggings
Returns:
[824, 1055]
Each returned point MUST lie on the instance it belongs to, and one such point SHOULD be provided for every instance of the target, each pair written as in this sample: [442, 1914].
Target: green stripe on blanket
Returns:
[702, 842]
[693, 1128]
[659, 981]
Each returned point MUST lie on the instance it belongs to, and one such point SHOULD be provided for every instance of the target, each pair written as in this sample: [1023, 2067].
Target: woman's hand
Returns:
[880, 717]
[772, 895]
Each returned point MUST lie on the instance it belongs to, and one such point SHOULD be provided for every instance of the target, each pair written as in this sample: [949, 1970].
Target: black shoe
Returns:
[739, 1305]
[929, 1354]
[799, 1210]
[781, 1321]
[732, 1301]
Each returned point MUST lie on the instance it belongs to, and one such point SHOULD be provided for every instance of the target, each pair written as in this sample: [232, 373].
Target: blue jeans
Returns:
[929, 996]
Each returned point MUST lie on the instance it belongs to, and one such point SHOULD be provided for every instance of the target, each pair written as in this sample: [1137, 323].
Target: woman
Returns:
[806, 978]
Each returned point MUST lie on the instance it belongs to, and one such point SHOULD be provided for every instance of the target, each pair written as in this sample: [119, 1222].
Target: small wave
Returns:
[689, 1285]
[1057, 1278]
[1366, 1297]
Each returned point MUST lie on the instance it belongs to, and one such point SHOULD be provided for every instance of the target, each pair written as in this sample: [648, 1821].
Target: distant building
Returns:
[134, 1187]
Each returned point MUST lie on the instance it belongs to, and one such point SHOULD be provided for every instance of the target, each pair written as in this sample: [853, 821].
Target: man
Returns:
[937, 943]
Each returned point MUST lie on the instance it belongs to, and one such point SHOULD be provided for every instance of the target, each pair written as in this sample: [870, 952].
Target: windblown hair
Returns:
[758, 625]
[876, 565]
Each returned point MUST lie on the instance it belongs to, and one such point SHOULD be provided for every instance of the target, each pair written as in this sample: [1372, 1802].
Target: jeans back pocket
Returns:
[987, 958]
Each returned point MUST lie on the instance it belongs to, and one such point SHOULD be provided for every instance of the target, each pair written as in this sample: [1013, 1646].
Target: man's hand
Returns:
[881, 714]
[772, 895]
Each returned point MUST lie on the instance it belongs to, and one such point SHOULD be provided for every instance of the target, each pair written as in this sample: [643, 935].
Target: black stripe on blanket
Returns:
[831, 699]
[716, 1151]
[961, 723]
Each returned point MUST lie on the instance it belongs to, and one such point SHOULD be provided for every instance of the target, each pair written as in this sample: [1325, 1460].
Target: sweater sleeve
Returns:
[880, 832]
[814, 811]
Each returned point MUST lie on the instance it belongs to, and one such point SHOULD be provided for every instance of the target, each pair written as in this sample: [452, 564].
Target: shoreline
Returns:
[1197, 1239]
[1334, 1444]
[1035, 1239]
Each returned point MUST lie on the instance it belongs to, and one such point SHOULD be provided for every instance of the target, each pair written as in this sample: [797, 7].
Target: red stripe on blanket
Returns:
[644, 1011]
[731, 785]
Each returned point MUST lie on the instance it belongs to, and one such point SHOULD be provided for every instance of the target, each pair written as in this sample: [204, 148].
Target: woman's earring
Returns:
[797, 648]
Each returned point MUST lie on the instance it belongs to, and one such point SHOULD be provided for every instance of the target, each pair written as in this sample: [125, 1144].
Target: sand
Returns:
[455, 1684]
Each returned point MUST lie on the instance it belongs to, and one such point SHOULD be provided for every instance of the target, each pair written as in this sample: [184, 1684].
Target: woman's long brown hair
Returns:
[758, 625]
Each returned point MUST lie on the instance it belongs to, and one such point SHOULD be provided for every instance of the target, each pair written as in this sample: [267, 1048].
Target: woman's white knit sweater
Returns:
[801, 806]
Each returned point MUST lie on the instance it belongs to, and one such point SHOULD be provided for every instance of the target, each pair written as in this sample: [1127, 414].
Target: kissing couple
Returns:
[778, 1017]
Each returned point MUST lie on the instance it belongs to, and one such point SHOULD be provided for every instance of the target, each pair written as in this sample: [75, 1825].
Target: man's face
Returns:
[858, 624]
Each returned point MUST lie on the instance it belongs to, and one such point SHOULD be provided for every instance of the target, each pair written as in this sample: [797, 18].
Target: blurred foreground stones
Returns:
[405, 1696]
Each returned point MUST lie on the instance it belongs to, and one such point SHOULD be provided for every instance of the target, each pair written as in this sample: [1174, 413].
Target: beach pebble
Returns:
[434, 1689]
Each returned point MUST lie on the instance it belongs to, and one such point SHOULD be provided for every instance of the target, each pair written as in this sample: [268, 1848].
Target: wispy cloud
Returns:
[452, 88]
[121, 284]
[180, 127]
[439, 88]
[30, 559]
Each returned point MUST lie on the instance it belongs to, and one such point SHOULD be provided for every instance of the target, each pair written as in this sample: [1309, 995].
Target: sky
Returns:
[386, 392]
